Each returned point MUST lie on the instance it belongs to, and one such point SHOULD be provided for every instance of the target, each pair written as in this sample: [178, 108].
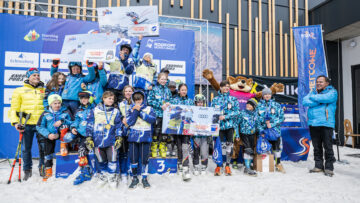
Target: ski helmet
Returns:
[86, 94]
[199, 97]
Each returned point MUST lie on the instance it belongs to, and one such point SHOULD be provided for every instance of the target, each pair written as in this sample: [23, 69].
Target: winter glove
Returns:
[55, 62]
[118, 142]
[89, 143]
[100, 65]
[89, 64]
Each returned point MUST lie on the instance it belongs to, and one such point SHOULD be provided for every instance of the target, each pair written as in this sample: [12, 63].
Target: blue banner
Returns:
[38, 40]
[311, 62]
[296, 144]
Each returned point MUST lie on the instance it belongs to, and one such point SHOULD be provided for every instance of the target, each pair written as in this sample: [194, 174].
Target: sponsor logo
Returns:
[21, 59]
[106, 12]
[46, 61]
[177, 67]
[154, 28]
[31, 36]
[17, 77]
[305, 147]
[50, 37]
[8, 92]
[161, 44]
[308, 34]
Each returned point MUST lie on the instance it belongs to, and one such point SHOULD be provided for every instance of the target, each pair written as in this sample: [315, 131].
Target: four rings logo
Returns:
[31, 36]
[160, 44]
[308, 34]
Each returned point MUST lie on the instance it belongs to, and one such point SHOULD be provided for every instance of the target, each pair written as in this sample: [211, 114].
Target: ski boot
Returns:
[186, 174]
[197, 170]
[316, 170]
[28, 174]
[227, 170]
[63, 149]
[154, 146]
[113, 180]
[162, 148]
[250, 172]
[280, 168]
[145, 183]
[134, 182]
[124, 179]
[217, 171]
[85, 175]
[48, 173]
[329, 173]
[234, 165]
[203, 169]
[103, 179]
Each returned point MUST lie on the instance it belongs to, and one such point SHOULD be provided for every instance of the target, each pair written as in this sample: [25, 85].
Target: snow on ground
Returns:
[297, 185]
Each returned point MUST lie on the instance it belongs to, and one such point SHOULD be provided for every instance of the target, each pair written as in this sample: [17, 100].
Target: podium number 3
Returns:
[162, 165]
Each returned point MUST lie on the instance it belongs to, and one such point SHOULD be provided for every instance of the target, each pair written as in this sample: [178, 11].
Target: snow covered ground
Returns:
[297, 185]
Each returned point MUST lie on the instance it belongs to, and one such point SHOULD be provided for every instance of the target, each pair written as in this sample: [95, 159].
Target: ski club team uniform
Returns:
[158, 96]
[97, 86]
[73, 85]
[120, 70]
[140, 135]
[229, 107]
[124, 106]
[104, 128]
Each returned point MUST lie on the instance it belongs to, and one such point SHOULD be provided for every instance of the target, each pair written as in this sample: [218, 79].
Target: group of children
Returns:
[120, 122]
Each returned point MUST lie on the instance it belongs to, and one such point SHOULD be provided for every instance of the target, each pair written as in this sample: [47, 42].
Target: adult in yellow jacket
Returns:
[29, 99]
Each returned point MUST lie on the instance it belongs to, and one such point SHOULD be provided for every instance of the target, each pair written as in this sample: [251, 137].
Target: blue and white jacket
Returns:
[140, 122]
[247, 122]
[97, 121]
[269, 110]
[124, 106]
[50, 92]
[322, 107]
[158, 96]
[45, 125]
[73, 82]
[81, 115]
[229, 107]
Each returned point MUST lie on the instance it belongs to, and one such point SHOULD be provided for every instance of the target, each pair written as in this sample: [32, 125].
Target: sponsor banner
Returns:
[191, 120]
[14, 77]
[129, 21]
[96, 55]
[21, 59]
[291, 114]
[175, 67]
[46, 61]
[75, 46]
[7, 95]
[311, 61]
[296, 144]
[6, 119]
[161, 44]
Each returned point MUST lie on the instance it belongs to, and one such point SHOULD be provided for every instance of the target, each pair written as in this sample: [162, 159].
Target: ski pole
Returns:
[16, 158]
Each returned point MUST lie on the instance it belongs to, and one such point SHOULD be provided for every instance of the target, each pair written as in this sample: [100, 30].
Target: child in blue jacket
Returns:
[139, 118]
[78, 134]
[159, 99]
[73, 83]
[248, 130]
[103, 132]
[51, 121]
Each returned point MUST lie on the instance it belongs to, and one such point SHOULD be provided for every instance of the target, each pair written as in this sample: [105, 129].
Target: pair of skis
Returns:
[21, 115]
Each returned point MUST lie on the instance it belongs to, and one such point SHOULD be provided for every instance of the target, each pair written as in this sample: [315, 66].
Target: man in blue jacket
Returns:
[321, 121]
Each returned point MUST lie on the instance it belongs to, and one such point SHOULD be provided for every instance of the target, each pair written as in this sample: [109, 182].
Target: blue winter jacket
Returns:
[81, 115]
[45, 125]
[140, 122]
[73, 83]
[97, 122]
[269, 110]
[120, 71]
[97, 86]
[182, 101]
[229, 107]
[157, 97]
[247, 122]
[50, 92]
[124, 106]
[322, 107]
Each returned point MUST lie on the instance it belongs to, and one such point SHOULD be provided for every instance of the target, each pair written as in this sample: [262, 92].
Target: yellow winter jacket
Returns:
[27, 99]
